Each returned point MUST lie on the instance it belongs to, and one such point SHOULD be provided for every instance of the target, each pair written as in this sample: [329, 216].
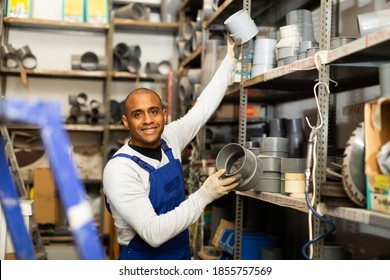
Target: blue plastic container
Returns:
[251, 244]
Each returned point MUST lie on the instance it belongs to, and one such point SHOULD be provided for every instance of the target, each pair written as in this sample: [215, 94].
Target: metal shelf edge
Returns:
[360, 215]
[278, 199]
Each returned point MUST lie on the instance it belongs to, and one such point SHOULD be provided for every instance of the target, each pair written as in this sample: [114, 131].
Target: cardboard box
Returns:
[19, 8]
[73, 10]
[46, 206]
[377, 133]
[230, 112]
[97, 11]
[223, 224]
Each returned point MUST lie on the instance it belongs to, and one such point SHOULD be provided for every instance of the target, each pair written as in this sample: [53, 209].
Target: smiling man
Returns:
[144, 182]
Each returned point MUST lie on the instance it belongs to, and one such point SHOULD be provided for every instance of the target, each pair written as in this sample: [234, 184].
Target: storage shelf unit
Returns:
[352, 66]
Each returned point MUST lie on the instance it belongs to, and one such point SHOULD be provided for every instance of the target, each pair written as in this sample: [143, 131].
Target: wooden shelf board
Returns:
[59, 73]
[278, 199]
[144, 25]
[54, 24]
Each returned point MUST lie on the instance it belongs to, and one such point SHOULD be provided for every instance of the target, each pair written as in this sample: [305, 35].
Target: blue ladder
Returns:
[71, 192]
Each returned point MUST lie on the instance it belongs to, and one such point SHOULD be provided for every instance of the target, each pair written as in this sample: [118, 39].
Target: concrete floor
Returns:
[61, 252]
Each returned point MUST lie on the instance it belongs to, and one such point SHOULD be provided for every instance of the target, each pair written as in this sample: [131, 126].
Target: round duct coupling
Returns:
[122, 50]
[239, 160]
[133, 65]
[151, 68]
[27, 58]
[275, 146]
[89, 61]
[9, 57]
[164, 67]
[81, 98]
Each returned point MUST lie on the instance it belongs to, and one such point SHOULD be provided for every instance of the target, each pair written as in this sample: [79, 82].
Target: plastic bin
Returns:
[251, 244]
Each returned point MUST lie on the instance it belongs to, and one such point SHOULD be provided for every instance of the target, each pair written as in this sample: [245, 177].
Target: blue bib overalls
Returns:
[167, 191]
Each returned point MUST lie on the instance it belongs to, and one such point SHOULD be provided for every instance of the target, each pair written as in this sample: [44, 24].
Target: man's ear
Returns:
[165, 116]
[125, 122]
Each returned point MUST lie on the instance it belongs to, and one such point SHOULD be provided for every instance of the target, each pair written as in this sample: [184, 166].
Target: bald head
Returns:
[140, 91]
[144, 117]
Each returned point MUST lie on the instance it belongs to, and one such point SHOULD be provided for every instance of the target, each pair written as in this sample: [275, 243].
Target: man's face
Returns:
[145, 119]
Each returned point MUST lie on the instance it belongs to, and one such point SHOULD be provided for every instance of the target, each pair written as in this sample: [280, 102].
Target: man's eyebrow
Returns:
[148, 109]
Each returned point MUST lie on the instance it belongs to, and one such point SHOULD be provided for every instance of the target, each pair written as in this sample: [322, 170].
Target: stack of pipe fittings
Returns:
[190, 38]
[186, 90]
[190, 80]
[136, 11]
[293, 176]
[296, 37]
[236, 159]
[117, 109]
[272, 149]
[162, 68]
[263, 55]
[82, 112]
[127, 58]
[89, 61]
[291, 129]
[11, 58]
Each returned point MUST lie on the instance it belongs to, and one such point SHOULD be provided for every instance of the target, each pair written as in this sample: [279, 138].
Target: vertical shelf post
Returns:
[323, 96]
[246, 47]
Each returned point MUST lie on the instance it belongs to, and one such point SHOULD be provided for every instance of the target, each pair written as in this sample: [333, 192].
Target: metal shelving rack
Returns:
[276, 86]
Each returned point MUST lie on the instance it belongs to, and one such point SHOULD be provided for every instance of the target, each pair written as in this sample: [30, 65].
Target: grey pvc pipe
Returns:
[133, 65]
[119, 63]
[76, 62]
[151, 68]
[89, 61]
[26, 57]
[218, 134]
[164, 67]
[121, 50]
[136, 11]
[9, 57]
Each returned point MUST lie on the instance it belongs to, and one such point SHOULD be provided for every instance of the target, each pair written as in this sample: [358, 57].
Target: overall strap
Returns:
[167, 150]
[137, 160]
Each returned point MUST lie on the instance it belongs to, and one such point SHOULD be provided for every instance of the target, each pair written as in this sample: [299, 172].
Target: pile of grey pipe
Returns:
[13, 59]
[127, 58]
[92, 112]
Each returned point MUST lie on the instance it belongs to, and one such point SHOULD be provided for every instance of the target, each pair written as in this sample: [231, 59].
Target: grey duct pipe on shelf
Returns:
[164, 67]
[222, 134]
[151, 68]
[133, 65]
[127, 51]
[89, 61]
[76, 62]
[119, 63]
[26, 57]
[9, 57]
[169, 10]
[137, 11]
[115, 112]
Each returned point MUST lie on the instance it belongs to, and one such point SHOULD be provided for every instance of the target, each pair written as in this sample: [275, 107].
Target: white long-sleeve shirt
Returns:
[126, 185]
